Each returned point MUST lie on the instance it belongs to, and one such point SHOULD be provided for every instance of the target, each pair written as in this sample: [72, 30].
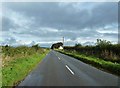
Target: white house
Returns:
[61, 47]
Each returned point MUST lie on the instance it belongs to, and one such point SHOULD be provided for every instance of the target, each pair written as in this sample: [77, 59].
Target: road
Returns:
[57, 69]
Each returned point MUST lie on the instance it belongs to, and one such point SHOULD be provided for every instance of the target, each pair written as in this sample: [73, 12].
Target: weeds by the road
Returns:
[18, 66]
[99, 63]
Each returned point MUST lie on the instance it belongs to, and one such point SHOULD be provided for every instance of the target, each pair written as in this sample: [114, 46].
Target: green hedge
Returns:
[111, 67]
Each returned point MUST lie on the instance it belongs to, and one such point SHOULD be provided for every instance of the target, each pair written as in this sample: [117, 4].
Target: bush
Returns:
[103, 49]
[9, 52]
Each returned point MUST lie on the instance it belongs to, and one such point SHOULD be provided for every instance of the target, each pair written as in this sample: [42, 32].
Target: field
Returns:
[18, 62]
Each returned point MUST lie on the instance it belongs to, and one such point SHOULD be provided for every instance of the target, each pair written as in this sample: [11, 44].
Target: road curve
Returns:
[57, 69]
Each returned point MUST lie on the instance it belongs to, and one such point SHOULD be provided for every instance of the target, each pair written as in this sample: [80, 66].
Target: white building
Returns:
[61, 47]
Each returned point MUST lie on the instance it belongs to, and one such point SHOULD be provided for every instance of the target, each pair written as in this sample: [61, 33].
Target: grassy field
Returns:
[17, 68]
[108, 66]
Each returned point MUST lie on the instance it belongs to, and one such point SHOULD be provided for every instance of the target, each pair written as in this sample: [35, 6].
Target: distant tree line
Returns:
[103, 49]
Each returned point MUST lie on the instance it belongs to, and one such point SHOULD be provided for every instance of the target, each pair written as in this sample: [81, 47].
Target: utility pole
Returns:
[63, 41]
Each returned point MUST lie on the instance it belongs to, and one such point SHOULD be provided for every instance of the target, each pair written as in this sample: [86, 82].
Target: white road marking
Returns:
[69, 69]
[58, 58]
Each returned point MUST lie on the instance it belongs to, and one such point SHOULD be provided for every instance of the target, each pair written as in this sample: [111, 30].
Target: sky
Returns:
[45, 23]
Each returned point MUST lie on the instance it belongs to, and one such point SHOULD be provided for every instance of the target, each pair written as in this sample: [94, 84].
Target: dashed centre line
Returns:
[69, 69]
[58, 58]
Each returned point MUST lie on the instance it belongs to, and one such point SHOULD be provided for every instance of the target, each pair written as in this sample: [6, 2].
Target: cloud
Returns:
[50, 21]
[8, 41]
[54, 15]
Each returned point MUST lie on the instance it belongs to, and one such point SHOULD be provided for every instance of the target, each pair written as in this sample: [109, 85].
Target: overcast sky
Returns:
[47, 22]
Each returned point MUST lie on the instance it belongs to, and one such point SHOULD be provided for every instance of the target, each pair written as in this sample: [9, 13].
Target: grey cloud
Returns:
[9, 41]
[114, 35]
[106, 13]
[7, 24]
[53, 15]
[70, 21]
[88, 43]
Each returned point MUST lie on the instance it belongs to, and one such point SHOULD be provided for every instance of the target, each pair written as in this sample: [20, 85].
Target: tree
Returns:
[56, 45]
[103, 42]
[36, 47]
[78, 45]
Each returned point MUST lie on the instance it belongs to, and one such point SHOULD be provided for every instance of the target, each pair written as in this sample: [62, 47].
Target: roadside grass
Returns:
[108, 66]
[17, 69]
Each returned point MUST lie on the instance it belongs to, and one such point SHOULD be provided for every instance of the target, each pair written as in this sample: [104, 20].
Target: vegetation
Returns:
[19, 61]
[78, 45]
[109, 66]
[103, 50]
[103, 55]
[56, 45]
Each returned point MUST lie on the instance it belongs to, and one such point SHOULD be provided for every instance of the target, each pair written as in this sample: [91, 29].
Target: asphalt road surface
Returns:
[57, 69]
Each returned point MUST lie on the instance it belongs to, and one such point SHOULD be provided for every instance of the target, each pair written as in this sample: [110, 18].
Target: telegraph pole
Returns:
[63, 41]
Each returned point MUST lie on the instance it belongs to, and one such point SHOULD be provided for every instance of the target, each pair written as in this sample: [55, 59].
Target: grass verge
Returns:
[108, 66]
[19, 68]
